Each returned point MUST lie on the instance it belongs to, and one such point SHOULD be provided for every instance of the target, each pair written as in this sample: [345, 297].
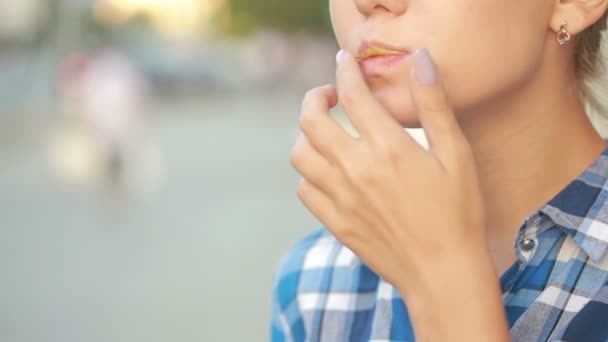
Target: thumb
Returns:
[434, 111]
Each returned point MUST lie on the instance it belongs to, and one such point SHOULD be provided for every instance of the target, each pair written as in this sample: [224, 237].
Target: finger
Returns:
[436, 115]
[311, 165]
[323, 132]
[318, 203]
[371, 120]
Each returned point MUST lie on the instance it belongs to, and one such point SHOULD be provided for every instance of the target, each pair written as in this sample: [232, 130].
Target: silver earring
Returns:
[563, 37]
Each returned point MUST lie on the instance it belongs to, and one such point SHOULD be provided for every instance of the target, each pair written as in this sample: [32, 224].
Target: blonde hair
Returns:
[589, 63]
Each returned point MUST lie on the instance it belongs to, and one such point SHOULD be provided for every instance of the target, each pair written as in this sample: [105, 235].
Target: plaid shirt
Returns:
[556, 291]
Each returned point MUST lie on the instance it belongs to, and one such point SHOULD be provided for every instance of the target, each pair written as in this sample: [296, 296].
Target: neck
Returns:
[530, 146]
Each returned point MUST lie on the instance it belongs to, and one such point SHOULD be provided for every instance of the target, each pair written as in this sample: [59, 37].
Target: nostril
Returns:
[380, 8]
[369, 7]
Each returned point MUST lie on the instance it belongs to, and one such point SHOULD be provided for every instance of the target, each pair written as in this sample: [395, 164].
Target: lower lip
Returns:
[374, 66]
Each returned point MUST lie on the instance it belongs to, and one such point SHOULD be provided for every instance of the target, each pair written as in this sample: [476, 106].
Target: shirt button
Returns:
[527, 244]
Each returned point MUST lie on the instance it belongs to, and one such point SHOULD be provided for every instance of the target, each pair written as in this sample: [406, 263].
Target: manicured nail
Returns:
[426, 72]
[341, 56]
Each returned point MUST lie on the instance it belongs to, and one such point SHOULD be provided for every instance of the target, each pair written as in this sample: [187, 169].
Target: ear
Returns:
[580, 14]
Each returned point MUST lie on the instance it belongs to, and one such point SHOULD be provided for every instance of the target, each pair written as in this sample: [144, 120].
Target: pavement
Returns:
[190, 259]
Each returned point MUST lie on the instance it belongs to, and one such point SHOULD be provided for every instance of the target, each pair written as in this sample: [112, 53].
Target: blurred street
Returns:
[192, 260]
[146, 192]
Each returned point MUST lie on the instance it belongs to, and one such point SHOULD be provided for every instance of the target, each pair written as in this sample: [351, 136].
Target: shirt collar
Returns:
[581, 208]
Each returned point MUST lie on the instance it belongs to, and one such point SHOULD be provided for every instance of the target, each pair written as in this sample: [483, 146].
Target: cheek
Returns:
[494, 71]
[480, 61]
[343, 18]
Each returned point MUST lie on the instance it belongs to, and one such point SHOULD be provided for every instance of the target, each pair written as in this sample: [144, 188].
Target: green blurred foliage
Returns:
[283, 15]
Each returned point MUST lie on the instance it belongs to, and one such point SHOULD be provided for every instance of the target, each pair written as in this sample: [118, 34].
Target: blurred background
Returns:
[146, 192]
[145, 186]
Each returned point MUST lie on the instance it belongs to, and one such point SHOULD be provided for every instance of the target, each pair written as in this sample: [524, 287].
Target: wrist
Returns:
[444, 270]
[457, 297]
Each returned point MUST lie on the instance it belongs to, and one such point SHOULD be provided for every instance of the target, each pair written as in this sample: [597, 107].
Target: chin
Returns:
[399, 103]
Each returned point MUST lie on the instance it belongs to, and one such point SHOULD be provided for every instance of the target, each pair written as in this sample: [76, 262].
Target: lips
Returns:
[375, 48]
[381, 60]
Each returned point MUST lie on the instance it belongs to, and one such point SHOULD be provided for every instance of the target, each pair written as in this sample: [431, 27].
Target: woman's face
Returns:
[483, 48]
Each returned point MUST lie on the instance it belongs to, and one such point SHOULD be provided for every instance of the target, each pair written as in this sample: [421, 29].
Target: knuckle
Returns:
[294, 158]
[363, 175]
[306, 121]
[388, 150]
[310, 96]
[297, 153]
[302, 190]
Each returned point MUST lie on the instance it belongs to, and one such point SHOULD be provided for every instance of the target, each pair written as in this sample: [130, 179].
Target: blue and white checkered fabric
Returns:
[557, 291]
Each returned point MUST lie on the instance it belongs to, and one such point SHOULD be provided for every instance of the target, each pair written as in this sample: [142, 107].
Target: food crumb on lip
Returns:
[377, 51]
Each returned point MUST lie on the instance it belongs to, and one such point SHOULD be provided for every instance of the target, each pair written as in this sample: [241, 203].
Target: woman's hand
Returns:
[415, 217]
[403, 210]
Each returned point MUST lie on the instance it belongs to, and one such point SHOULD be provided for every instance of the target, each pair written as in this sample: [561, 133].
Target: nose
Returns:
[369, 7]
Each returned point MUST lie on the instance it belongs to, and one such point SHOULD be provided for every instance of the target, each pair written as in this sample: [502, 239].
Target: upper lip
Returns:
[368, 44]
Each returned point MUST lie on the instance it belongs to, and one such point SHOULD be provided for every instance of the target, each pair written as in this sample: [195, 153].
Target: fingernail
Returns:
[425, 70]
[341, 56]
